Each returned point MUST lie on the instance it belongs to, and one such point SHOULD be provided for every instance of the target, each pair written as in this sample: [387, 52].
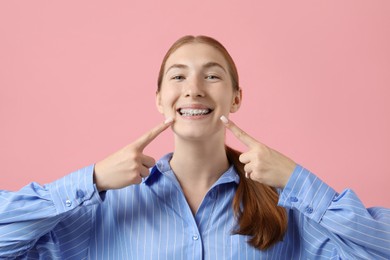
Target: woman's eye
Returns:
[178, 77]
[212, 77]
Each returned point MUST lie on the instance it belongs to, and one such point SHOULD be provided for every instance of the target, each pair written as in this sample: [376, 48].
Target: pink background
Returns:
[77, 82]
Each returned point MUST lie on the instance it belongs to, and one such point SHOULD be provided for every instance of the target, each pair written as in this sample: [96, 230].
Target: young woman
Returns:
[203, 201]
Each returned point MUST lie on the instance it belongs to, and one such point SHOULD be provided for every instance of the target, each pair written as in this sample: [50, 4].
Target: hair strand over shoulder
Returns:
[256, 210]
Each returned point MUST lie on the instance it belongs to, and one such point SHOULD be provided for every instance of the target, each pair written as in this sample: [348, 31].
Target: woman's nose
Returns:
[194, 88]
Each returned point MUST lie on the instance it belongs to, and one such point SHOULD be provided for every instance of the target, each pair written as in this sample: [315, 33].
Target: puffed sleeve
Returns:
[28, 216]
[337, 223]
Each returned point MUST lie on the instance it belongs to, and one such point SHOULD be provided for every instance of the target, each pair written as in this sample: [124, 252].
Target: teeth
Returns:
[193, 112]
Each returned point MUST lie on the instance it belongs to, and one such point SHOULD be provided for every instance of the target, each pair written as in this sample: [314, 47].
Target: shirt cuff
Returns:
[74, 190]
[306, 193]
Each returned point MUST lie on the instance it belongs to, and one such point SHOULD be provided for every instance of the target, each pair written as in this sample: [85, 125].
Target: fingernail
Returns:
[224, 119]
[168, 120]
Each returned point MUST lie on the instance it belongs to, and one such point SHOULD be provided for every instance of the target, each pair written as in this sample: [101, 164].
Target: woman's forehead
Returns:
[196, 54]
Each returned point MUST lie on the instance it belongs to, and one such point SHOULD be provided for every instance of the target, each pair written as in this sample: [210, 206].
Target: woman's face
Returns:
[196, 91]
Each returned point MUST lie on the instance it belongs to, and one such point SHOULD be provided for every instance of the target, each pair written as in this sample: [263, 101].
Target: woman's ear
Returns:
[236, 103]
[158, 103]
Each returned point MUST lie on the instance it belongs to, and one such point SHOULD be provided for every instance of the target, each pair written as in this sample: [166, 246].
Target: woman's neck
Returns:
[199, 163]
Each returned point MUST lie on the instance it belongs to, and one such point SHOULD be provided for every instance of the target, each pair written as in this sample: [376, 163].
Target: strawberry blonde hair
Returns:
[254, 204]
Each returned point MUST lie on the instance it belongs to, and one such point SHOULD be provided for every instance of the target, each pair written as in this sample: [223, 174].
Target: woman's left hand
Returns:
[262, 163]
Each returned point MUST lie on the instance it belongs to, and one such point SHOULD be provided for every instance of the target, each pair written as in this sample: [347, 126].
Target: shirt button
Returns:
[80, 194]
[195, 237]
[68, 203]
[293, 199]
[309, 210]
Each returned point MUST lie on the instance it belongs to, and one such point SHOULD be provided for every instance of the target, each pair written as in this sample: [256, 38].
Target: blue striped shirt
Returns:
[69, 219]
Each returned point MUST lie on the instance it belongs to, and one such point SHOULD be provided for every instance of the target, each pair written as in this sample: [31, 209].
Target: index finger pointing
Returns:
[148, 137]
[238, 132]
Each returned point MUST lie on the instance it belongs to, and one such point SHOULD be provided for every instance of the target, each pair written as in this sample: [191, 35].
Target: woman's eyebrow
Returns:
[176, 66]
[213, 64]
[206, 66]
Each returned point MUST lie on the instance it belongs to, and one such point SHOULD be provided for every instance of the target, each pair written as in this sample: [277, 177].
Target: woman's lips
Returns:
[194, 111]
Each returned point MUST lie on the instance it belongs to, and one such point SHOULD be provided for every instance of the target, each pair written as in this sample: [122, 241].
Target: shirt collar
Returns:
[163, 167]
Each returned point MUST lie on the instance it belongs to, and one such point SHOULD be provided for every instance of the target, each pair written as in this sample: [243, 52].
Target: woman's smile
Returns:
[194, 111]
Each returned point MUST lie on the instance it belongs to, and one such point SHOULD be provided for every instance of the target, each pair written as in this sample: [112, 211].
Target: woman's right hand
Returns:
[129, 165]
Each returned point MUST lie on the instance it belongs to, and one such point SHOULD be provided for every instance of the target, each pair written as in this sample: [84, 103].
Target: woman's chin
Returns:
[197, 134]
